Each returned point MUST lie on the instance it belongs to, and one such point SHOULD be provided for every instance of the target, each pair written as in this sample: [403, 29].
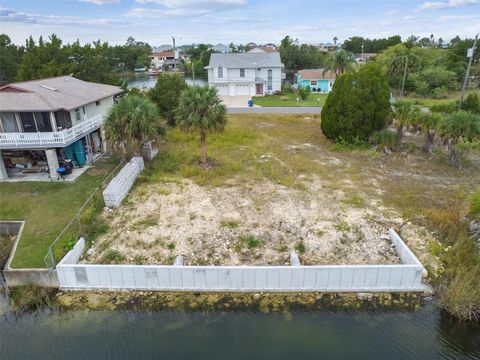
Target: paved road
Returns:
[275, 110]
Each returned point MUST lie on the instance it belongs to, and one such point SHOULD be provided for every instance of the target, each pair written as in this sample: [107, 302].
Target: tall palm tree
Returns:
[335, 39]
[133, 121]
[200, 109]
[339, 62]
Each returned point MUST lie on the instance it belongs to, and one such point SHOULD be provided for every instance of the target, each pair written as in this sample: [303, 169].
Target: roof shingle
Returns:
[245, 60]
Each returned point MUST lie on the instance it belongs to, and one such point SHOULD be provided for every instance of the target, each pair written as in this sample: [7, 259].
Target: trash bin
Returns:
[250, 103]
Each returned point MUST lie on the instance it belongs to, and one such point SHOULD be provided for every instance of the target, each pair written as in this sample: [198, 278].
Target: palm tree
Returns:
[200, 109]
[339, 62]
[405, 114]
[430, 122]
[460, 129]
[335, 39]
[132, 122]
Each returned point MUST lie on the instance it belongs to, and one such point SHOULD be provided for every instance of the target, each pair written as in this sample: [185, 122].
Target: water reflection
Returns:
[143, 81]
[425, 334]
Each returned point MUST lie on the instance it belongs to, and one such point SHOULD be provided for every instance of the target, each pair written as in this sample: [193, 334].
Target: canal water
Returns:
[424, 334]
[143, 81]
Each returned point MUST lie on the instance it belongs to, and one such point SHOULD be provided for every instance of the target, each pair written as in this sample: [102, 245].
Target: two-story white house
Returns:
[251, 74]
[44, 121]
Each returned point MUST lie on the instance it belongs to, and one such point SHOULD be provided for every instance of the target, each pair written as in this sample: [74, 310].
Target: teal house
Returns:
[319, 80]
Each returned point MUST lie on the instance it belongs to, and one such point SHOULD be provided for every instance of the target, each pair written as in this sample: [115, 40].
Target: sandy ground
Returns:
[258, 224]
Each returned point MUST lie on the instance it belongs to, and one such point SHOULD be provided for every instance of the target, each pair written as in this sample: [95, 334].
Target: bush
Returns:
[446, 108]
[472, 104]
[358, 105]
[427, 80]
[303, 92]
[474, 208]
[166, 94]
[440, 92]
[287, 89]
[384, 139]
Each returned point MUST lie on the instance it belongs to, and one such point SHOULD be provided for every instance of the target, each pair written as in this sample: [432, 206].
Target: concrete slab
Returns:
[236, 101]
[275, 110]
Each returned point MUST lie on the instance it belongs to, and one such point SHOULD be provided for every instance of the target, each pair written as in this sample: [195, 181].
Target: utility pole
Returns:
[404, 75]
[465, 81]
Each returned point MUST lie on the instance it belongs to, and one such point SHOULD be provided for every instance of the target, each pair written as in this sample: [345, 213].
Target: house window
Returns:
[220, 72]
[269, 78]
[78, 117]
[8, 122]
[28, 122]
[43, 121]
[313, 82]
[97, 103]
[242, 73]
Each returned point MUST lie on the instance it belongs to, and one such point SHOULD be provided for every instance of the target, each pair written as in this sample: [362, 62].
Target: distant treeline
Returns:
[98, 61]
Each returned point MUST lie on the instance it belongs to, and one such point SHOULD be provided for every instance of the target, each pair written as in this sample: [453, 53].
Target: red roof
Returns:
[164, 53]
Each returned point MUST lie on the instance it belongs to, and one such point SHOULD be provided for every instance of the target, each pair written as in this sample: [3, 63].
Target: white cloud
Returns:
[101, 2]
[456, 17]
[392, 12]
[438, 5]
[7, 15]
[185, 8]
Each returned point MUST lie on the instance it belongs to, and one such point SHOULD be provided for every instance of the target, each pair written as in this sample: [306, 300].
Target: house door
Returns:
[259, 89]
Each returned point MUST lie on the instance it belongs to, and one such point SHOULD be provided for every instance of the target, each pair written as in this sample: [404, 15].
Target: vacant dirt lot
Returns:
[279, 186]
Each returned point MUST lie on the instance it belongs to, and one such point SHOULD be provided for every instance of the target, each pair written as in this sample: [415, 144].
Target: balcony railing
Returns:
[50, 139]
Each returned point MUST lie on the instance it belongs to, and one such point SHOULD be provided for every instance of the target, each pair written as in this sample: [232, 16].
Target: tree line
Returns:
[97, 61]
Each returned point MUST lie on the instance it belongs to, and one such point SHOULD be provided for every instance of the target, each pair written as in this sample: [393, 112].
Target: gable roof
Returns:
[164, 53]
[63, 92]
[316, 74]
[221, 47]
[245, 60]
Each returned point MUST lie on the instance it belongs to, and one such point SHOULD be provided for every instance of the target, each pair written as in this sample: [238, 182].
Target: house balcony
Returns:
[60, 139]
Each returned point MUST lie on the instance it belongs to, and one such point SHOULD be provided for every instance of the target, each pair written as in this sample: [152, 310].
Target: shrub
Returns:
[424, 82]
[287, 89]
[474, 208]
[300, 247]
[446, 108]
[440, 92]
[384, 139]
[303, 92]
[472, 104]
[112, 257]
[358, 105]
[166, 94]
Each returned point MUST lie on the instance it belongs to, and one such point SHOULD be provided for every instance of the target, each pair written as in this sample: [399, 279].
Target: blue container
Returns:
[79, 153]
[250, 103]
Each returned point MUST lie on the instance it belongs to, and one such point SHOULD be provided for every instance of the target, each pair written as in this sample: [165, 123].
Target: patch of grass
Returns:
[248, 242]
[435, 248]
[300, 247]
[112, 256]
[320, 233]
[139, 260]
[313, 99]
[146, 223]
[230, 223]
[46, 208]
[474, 209]
[192, 216]
[342, 145]
[171, 246]
[283, 248]
[342, 226]
[355, 201]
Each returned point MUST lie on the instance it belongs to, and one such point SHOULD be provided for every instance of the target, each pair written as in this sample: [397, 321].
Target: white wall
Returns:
[92, 109]
[334, 278]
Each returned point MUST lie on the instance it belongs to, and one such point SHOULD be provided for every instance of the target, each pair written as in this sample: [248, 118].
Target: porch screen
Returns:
[8, 122]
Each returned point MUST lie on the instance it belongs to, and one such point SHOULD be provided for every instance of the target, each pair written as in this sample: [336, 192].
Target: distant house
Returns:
[44, 121]
[264, 48]
[362, 58]
[220, 48]
[328, 47]
[168, 58]
[245, 73]
[318, 80]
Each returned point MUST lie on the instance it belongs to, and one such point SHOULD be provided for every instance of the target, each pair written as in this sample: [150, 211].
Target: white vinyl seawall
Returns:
[324, 278]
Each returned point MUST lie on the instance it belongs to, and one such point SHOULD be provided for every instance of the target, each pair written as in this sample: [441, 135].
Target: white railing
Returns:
[59, 138]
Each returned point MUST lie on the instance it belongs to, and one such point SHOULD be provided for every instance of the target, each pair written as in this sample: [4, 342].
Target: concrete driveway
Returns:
[240, 101]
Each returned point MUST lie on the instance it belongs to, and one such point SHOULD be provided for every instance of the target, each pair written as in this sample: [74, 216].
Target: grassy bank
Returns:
[429, 102]
[314, 99]
[46, 208]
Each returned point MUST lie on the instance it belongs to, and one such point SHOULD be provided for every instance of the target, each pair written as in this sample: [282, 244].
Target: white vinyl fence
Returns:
[335, 278]
[120, 185]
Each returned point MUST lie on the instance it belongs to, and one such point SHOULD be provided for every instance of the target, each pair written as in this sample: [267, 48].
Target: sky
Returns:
[237, 21]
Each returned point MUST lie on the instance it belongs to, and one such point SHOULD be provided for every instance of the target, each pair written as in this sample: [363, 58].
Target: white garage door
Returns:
[222, 90]
[242, 90]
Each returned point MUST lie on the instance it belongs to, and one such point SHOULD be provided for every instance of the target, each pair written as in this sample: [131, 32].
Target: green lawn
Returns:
[428, 102]
[281, 100]
[46, 208]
